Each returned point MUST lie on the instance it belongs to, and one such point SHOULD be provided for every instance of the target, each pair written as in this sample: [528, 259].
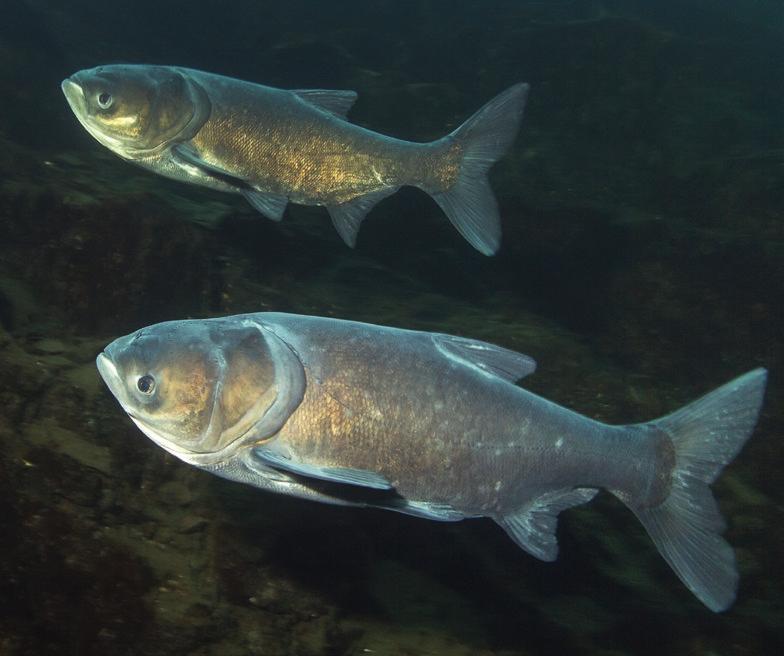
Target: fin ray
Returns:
[347, 217]
[186, 155]
[533, 526]
[270, 205]
[491, 359]
[439, 512]
[470, 203]
[337, 102]
[686, 527]
[359, 477]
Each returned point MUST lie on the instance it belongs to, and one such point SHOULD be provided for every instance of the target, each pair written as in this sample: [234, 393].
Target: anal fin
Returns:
[347, 217]
[533, 526]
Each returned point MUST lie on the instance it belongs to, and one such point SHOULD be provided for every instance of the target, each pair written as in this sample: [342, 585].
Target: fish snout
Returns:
[108, 370]
[74, 94]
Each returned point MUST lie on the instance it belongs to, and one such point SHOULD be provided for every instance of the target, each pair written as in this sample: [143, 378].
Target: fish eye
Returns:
[146, 384]
[105, 100]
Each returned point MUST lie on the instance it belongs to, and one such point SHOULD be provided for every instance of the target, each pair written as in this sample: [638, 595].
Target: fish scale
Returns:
[275, 146]
[430, 425]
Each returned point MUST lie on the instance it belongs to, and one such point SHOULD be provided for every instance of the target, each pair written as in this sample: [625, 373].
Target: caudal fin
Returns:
[687, 526]
[486, 136]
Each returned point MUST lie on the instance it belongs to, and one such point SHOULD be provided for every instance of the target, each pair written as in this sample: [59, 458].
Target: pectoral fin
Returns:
[359, 477]
[439, 512]
[270, 205]
[187, 157]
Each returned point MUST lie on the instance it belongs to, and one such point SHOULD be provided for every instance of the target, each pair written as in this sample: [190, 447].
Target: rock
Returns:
[175, 493]
[193, 524]
[48, 346]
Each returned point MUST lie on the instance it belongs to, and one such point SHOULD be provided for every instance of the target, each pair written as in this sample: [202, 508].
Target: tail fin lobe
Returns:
[686, 528]
[486, 136]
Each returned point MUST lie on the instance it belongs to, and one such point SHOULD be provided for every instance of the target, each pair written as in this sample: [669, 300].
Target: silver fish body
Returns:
[430, 425]
[276, 146]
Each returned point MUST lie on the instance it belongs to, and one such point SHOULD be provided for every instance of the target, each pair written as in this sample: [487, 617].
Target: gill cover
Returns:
[215, 382]
[137, 110]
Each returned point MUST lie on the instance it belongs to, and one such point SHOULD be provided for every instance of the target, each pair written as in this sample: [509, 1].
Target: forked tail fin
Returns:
[486, 136]
[686, 528]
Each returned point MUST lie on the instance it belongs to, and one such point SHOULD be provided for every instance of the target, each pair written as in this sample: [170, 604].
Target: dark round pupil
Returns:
[145, 384]
[104, 99]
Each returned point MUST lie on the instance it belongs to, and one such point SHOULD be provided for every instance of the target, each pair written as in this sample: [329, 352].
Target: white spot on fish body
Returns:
[559, 443]
[497, 486]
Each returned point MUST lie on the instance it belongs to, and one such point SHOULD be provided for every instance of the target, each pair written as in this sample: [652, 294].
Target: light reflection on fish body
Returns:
[429, 425]
[275, 146]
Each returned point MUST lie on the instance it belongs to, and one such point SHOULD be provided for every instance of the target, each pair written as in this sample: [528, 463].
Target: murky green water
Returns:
[641, 266]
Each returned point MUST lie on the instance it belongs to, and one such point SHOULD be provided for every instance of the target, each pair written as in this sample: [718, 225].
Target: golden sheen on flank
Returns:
[275, 146]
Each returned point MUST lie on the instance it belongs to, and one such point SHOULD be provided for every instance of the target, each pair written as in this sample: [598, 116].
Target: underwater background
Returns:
[642, 265]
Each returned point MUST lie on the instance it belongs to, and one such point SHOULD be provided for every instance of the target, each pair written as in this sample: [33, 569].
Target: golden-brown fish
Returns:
[274, 146]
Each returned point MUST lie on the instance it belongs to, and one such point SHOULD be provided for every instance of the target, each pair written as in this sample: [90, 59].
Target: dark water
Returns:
[642, 265]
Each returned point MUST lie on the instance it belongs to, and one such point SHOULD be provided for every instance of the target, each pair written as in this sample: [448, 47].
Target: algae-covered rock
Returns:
[641, 266]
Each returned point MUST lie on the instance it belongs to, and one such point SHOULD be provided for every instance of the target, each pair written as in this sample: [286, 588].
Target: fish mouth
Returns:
[114, 381]
[108, 371]
[74, 94]
[73, 91]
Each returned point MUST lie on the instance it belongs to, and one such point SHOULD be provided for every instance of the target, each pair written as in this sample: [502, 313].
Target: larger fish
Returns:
[275, 146]
[430, 425]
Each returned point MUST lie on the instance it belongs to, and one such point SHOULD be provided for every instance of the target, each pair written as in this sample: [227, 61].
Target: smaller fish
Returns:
[429, 425]
[275, 146]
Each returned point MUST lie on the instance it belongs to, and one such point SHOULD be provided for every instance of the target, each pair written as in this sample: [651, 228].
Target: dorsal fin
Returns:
[335, 102]
[491, 359]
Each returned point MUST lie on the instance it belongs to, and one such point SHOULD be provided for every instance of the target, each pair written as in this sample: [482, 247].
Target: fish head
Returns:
[201, 389]
[135, 110]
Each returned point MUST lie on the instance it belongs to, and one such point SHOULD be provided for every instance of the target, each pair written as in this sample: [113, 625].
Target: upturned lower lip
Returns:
[113, 380]
[107, 369]
[68, 83]
[74, 93]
